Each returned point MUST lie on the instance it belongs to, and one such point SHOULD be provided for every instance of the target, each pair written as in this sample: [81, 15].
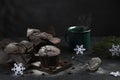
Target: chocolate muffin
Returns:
[40, 39]
[49, 56]
[15, 48]
[16, 52]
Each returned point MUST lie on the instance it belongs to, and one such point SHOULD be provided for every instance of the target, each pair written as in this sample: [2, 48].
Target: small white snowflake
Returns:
[115, 50]
[18, 69]
[79, 49]
[117, 73]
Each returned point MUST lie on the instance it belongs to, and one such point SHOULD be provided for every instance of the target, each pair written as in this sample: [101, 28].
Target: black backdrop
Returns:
[17, 15]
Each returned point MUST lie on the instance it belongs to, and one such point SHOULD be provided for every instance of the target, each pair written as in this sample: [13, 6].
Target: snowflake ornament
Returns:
[18, 69]
[117, 73]
[115, 50]
[79, 49]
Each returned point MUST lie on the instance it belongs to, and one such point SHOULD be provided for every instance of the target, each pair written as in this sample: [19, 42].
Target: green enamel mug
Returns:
[78, 35]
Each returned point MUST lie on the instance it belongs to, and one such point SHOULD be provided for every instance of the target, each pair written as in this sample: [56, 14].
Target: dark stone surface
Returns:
[107, 66]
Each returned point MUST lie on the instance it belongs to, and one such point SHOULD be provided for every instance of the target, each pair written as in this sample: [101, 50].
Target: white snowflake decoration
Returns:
[79, 49]
[117, 73]
[115, 50]
[18, 69]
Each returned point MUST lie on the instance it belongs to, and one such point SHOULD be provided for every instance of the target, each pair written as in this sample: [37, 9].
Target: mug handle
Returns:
[66, 37]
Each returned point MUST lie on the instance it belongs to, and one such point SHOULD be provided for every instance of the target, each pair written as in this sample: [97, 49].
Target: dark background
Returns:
[17, 15]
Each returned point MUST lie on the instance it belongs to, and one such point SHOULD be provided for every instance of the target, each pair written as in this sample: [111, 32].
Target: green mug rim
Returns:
[72, 27]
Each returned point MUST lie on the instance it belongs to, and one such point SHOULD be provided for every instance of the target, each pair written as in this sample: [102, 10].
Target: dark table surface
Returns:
[78, 73]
